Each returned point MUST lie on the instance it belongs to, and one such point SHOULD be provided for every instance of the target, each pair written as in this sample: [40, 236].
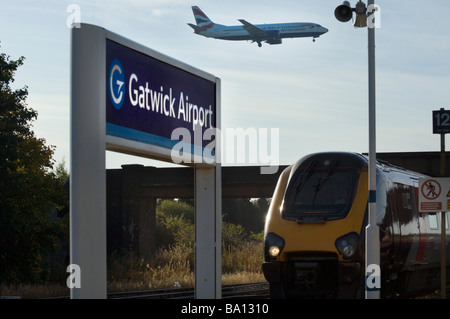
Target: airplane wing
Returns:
[253, 30]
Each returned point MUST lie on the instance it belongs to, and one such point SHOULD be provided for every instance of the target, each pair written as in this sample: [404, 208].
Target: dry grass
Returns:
[130, 272]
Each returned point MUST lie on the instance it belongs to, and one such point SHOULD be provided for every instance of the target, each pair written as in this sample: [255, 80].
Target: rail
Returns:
[251, 291]
[256, 290]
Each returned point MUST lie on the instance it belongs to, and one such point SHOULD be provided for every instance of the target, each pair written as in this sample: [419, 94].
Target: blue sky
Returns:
[314, 92]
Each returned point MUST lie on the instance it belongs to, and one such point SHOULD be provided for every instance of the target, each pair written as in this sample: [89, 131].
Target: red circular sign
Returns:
[431, 189]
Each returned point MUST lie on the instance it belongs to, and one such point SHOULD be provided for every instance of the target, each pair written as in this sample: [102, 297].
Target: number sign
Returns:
[441, 122]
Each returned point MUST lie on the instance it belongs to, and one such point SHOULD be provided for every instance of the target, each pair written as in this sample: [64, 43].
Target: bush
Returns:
[174, 224]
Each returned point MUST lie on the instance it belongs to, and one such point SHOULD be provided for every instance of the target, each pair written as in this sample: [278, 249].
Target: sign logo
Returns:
[116, 84]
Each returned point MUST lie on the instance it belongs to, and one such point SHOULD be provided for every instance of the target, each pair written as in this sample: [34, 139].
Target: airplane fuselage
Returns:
[275, 31]
[269, 33]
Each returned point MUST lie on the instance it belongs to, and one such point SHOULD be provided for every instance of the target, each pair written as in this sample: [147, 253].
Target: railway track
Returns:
[258, 290]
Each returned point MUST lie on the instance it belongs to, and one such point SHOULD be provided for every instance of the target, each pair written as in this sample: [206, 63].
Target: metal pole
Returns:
[372, 230]
[207, 247]
[208, 221]
[443, 230]
[87, 161]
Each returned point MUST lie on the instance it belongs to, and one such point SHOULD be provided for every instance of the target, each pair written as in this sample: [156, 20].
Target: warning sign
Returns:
[433, 194]
[431, 189]
[430, 206]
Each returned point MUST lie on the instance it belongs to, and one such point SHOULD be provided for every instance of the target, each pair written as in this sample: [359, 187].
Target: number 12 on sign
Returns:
[441, 122]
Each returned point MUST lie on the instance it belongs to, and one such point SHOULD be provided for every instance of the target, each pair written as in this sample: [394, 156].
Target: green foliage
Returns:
[243, 211]
[29, 189]
[177, 208]
[174, 224]
[242, 246]
[233, 235]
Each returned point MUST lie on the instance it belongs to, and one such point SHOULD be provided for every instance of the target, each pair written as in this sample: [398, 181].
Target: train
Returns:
[314, 236]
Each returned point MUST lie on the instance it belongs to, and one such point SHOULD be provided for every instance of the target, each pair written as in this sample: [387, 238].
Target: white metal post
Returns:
[87, 173]
[208, 220]
[208, 237]
[372, 230]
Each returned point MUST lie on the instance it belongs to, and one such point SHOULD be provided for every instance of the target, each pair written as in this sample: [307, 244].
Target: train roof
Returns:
[382, 165]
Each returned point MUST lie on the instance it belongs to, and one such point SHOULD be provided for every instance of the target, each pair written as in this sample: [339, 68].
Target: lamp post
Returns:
[344, 13]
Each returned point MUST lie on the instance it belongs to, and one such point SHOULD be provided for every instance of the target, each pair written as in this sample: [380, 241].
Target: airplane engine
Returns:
[274, 41]
[274, 37]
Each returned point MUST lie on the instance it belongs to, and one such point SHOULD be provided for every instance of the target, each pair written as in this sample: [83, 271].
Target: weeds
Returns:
[240, 264]
[172, 264]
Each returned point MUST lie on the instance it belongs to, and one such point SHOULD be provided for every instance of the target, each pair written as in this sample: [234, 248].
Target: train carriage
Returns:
[315, 230]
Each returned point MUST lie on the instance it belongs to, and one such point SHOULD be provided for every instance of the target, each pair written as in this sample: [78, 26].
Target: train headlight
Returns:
[348, 245]
[273, 245]
[274, 251]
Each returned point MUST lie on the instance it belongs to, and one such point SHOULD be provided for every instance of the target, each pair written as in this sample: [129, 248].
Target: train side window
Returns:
[432, 221]
[404, 208]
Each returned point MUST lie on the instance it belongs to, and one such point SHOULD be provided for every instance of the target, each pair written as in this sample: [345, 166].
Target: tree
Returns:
[244, 212]
[29, 189]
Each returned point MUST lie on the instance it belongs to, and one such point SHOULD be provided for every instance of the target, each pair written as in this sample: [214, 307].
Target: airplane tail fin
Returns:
[202, 20]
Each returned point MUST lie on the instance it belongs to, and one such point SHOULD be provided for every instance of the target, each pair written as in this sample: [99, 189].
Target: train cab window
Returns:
[320, 192]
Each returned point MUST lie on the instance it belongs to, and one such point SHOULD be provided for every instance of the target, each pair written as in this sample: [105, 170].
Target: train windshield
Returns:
[320, 191]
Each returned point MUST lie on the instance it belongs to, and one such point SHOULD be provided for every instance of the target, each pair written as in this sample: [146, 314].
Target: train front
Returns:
[314, 229]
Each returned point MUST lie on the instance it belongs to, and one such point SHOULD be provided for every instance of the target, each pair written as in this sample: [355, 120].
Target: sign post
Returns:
[131, 99]
[441, 125]
[87, 161]
[372, 229]
[434, 196]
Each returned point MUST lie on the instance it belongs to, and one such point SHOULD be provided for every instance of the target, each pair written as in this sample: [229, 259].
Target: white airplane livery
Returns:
[269, 33]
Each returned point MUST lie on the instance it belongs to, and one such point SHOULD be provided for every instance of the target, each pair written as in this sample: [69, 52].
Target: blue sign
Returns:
[116, 84]
[147, 99]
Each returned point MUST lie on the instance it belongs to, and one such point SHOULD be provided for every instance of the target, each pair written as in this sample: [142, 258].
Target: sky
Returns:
[314, 93]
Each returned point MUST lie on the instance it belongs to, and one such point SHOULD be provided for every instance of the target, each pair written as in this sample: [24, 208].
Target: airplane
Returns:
[269, 33]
